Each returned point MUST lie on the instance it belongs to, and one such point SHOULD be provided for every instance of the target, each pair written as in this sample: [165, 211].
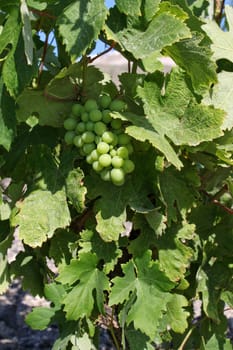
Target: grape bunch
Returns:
[100, 138]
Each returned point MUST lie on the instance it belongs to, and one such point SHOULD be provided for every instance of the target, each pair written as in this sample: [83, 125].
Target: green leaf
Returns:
[75, 189]
[177, 198]
[39, 215]
[177, 115]
[79, 302]
[4, 266]
[80, 24]
[40, 317]
[195, 59]
[222, 45]
[49, 112]
[129, 7]
[55, 293]
[221, 96]
[150, 7]
[7, 119]
[155, 37]
[176, 316]
[27, 32]
[151, 288]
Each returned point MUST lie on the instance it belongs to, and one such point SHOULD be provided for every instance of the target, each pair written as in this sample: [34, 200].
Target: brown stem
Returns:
[219, 14]
[102, 53]
[42, 13]
[216, 202]
[43, 57]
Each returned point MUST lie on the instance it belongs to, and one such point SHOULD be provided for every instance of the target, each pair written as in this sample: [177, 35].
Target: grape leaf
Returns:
[79, 302]
[129, 7]
[222, 42]
[27, 32]
[75, 190]
[177, 115]
[177, 198]
[7, 119]
[221, 96]
[39, 215]
[176, 316]
[150, 7]
[49, 112]
[149, 284]
[80, 24]
[195, 59]
[155, 37]
[40, 317]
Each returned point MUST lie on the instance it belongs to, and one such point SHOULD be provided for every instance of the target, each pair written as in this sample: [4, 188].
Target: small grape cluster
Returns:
[100, 138]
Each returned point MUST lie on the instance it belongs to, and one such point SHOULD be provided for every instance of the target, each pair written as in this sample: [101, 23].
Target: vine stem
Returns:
[181, 347]
[43, 56]
[112, 332]
[102, 53]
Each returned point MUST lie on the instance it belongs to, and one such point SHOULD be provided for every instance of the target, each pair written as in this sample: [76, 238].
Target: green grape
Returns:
[116, 123]
[105, 174]
[88, 148]
[104, 101]
[113, 152]
[102, 147]
[95, 115]
[117, 176]
[85, 117]
[159, 163]
[89, 159]
[77, 141]
[100, 128]
[123, 152]
[69, 137]
[117, 105]
[98, 139]
[96, 166]
[88, 137]
[123, 139]
[108, 137]
[90, 105]
[128, 166]
[90, 126]
[95, 155]
[77, 109]
[80, 128]
[105, 160]
[70, 124]
[117, 162]
[106, 116]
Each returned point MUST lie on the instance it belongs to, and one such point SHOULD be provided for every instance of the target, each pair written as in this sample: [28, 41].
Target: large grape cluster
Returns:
[101, 139]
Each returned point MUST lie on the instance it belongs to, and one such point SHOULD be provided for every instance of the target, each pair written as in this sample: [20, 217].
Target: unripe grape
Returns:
[117, 105]
[105, 174]
[123, 152]
[117, 176]
[69, 137]
[77, 109]
[102, 147]
[88, 148]
[70, 124]
[123, 139]
[90, 105]
[128, 166]
[89, 159]
[105, 160]
[129, 148]
[84, 117]
[113, 152]
[95, 115]
[116, 123]
[88, 137]
[106, 116]
[80, 128]
[96, 166]
[108, 137]
[90, 126]
[78, 142]
[95, 155]
[98, 139]
[117, 162]
[100, 128]
[104, 101]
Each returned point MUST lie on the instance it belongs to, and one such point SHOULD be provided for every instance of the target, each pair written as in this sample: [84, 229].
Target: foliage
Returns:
[133, 253]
